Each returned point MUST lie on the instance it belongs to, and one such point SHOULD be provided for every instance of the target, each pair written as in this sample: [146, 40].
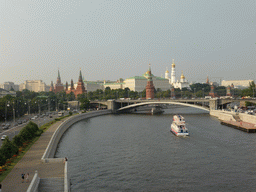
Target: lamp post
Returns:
[13, 108]
[203, 95]
[6, 105]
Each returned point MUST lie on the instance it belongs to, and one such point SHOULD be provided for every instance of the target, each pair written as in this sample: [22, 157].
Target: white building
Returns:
[4, 92]
[34, 85]
[93, 85]
[138, 83]
[240, 84]
[9, 86]
[182, 83]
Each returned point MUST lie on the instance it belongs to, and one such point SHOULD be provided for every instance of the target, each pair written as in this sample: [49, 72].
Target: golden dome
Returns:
[182, 76]
[166, 70]
[173, 64]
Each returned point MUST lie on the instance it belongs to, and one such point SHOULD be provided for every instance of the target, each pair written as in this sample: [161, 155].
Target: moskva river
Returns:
[137, 152]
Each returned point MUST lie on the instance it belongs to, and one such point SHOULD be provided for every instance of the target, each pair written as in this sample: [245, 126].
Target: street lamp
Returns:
[13, 108]
[203, 95]
[6, 105]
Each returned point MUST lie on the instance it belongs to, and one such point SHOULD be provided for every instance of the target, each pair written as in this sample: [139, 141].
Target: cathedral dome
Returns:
[182, 76]
[173, 64]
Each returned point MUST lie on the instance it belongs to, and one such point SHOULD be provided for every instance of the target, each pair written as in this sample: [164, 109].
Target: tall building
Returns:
[240, 84]
[173, 74]
[182, 83]
[34, 85]
[150, 94]
[9, 86]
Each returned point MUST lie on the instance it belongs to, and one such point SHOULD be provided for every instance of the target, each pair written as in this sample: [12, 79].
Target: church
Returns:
[182, 83]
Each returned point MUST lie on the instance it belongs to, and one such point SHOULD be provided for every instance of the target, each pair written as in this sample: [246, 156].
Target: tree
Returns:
[8, 149]
[85, 104]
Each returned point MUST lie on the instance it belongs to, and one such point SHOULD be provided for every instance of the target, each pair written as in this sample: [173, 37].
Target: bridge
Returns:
[119, 105]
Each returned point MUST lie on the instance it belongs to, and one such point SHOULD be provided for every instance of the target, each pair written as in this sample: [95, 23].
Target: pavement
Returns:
[31, 162]
[243, 124]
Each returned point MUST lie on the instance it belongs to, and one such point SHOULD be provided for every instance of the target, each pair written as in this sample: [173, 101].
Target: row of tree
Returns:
[10, 148]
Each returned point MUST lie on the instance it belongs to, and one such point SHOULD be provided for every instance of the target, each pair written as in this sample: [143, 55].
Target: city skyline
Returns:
[111, 40]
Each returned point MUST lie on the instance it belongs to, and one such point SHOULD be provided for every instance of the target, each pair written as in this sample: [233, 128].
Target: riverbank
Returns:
[31, 162]
[241, 121]
[40, 158]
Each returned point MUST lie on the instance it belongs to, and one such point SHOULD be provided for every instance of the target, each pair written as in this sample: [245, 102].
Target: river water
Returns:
[137, 152]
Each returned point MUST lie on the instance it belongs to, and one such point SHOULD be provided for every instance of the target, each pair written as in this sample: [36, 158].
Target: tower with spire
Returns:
[58, 86]
[150, 94]
[80, 89]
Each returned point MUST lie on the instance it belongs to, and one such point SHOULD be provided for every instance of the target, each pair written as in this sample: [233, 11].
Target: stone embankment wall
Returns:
[248, 118]
[229, 116]
[223, 115]
[52, 146]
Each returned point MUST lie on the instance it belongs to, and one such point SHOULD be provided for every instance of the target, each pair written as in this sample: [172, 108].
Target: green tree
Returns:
[8, 149]
[84, 104]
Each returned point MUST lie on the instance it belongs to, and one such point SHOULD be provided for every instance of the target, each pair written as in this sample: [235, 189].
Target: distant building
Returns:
[240, 84]
[9, 86]
[34, 85]
[119, 84]
[182, 83]
[138, 83]
[58, 87]
[93, 85]
[4, 92]
[80, 88]
[150, 94]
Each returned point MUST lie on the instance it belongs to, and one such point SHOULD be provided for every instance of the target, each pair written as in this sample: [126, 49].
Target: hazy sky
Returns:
[114, 39]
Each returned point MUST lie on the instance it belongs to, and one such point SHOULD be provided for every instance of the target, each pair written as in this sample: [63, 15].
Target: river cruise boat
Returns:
[178, 126]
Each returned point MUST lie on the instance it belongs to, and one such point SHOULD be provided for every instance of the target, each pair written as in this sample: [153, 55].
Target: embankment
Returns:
[52, 146]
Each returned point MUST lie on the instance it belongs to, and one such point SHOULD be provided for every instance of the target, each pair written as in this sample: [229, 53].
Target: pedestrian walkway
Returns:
[31, 162]
[244, 126]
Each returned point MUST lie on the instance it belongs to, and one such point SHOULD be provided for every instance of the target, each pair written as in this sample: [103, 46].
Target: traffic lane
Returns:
[15, 130]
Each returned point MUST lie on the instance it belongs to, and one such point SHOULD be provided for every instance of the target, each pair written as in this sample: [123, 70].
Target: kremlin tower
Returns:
[228, 91]
[212, 92]
[80, 89]
[150, 94]
[58, 86]
[207, 80]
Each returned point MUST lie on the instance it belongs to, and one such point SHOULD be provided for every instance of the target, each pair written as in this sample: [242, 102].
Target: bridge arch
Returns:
[161, 102]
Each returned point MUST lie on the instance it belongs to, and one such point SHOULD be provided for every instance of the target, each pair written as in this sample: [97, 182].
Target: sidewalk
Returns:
[31, 162]
[244, 126]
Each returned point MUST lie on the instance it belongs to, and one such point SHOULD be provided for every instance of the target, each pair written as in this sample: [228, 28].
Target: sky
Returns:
[112, 39]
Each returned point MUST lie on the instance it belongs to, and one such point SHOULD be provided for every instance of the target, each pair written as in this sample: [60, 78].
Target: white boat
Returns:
[178, 126]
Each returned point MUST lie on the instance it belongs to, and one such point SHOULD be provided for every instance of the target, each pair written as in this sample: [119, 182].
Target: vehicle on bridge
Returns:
[178, 127]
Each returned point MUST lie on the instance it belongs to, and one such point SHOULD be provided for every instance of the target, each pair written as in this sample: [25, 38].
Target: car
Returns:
[19, 122]
[33, 118]
[3, 137]
[3, 124]
[5, 127]
[15, 124]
